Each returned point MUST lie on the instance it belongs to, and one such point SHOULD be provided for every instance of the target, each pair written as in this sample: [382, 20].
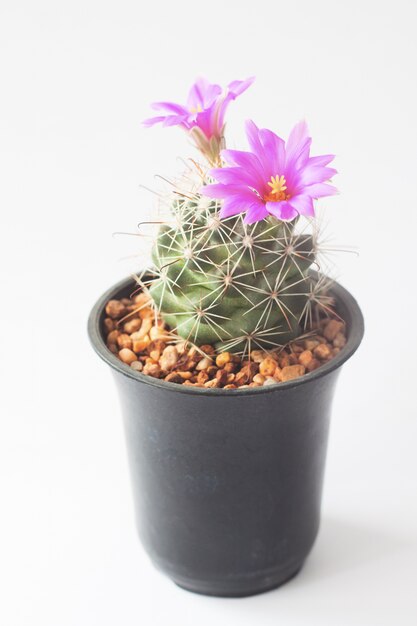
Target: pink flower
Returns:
[205, 108]
[275, 178]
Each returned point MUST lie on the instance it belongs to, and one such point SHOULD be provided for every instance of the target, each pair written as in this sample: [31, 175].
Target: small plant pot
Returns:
[227, 483]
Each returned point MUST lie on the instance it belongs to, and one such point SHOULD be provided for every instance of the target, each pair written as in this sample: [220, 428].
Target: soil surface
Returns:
[141, 340]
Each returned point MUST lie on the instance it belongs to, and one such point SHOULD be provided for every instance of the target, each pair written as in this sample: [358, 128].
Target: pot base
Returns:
[240, 588]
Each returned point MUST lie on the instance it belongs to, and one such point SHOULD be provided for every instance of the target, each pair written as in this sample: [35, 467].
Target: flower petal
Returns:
[153, 120]
[256, 212]
[234, 176]
[220, 191]
[303, 205]
[298, 145]
[234, 90]
[274, 152]
[323, 159]
[311, 175]
[248, 162]
[202, 94]
[237, 204]
[170, 107]
[282, 210]
[215, 190]
[207, 121]
[177, 120]
[252, 133]
[320, 190]
[237, 87]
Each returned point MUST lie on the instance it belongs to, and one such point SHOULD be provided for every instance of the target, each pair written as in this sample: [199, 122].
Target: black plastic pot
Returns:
[227, 483]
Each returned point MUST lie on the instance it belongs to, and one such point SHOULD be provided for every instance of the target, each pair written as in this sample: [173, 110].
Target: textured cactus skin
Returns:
[235, 286]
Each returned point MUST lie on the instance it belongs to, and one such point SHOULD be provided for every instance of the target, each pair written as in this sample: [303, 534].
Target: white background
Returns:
[76, 81]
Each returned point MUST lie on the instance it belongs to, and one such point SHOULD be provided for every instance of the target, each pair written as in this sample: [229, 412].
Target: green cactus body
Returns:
[236, 286]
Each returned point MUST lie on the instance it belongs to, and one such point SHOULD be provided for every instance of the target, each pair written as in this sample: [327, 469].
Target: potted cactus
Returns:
[226, 351]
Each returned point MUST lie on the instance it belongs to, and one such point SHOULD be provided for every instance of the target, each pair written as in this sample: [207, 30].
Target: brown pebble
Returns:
[257, 356]
[204, 364]
[305, 357]
[310, 344]
[169, 358]
[278, 374]
[250, 368]
[231, 367]
[137, 366]
[127, 356]
[292, 371]
[283, 360]
[158, 332]
[115, 309]
[144, 329]
[241, 378]
[146, 313]
[313, 365]
[223, 358]
[230, 387]
[181, 347]
[140, 345]
[141, 299]
[132, 326]
[152, 369]
[270, 380]
[157, 344]
[212, 384]
[207, 349]
[202, 377]
[174, 377]
[339, 341]
[108, 324]
[124, 341]
[113, 348]
[155, 354]
[322, 351]
[185, 375]
[112, 336]
[292, 359]
[259, 378]
[222, 377]
[211, 371]
[333, 327]
[267, 367]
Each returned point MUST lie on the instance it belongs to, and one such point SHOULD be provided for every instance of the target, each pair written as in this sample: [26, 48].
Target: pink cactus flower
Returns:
[205, 108]
[275, 178]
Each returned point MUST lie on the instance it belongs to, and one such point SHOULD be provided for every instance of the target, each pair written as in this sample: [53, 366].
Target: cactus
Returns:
[230, 284]
[232, 268]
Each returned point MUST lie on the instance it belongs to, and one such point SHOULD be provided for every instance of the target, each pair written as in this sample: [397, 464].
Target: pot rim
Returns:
[356, 331]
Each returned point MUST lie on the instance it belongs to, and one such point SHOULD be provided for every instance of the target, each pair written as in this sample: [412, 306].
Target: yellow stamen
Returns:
[278, 186]
[197, 109]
